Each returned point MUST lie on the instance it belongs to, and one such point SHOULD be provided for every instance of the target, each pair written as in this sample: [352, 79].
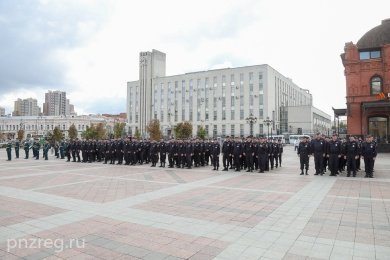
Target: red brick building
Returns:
[367, 73]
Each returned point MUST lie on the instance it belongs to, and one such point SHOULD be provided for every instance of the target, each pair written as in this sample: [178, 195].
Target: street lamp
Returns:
[251, 120]
[268, 122]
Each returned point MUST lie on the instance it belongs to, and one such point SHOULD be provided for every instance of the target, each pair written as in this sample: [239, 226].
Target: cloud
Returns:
[31, 34]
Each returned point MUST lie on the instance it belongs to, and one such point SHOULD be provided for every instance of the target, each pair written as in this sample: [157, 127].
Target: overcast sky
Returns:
[90, 48]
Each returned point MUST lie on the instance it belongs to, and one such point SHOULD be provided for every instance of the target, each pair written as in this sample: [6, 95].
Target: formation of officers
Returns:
[337, 155]
[250, 154]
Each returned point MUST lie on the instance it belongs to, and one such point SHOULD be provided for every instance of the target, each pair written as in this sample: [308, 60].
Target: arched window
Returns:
[376, 85]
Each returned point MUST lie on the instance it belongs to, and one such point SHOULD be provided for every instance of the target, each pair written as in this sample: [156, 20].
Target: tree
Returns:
[154, 130]
[57, 134]
[89, 133]
[72, 132]
[118, 129]
[137, 133]
[202, 133]
[183, 130]
[100, 131]
[20, 134]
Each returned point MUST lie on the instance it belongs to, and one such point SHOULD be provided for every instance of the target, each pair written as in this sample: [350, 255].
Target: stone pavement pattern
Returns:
[138, 212]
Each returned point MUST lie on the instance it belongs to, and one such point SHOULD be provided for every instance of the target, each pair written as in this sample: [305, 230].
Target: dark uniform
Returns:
[351, 154]
[46, 148]
[318, 149]
[262, 155]
[36, 148]
[154, 149]
[163, 153]
[9, 149]
[237, 154]
[249, 152]
[189, 152]
[369, 154]
[280, 144]
[226, 154]
[215, 151]
[333, 154]
[26, 149]
[17, 145]
[304, 151]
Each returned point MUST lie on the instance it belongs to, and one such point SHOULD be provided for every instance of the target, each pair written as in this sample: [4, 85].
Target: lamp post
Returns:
[268, 122]
[251, 120]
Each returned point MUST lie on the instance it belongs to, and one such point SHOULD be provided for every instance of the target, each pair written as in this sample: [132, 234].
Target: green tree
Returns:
[202, 133]
[118, 129]
[72, 132]
[20, 134]
[89, 133]
[183, 130]
[57, 134]
[137, 133]
[154, 130]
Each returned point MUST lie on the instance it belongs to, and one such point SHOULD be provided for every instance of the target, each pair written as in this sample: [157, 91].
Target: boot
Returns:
[306, 173]
[301, 172]
[349, 174]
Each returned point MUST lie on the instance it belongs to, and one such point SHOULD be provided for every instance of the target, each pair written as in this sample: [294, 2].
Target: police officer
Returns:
[26, 149]
[215, 151]
[280, 144]
[154, 149]
[189, 152]
[163, 153]
[237, 154]
[369, 154]
[262, 155]
[226, 149]
[249, 152]
[46, 148]
[318, 148]
[9, 149]
[36, 147]
[333, 154]
[17, 145]
[351, 154]
[304, 151]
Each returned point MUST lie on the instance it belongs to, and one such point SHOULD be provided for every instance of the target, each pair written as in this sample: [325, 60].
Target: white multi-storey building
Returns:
[220, 100]
[40, 126]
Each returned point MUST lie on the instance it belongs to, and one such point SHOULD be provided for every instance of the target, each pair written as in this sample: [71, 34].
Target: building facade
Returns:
[367, 73]
[26, 107]
[220, 100]
[56, 104]
[40, 126]
[308, 120]
[2, 111]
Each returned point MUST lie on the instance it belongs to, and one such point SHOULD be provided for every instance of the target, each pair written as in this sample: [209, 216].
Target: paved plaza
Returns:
[63, 210]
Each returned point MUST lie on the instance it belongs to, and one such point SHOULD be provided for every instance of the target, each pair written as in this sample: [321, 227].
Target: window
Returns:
[366, 55]
[223, 130]
[232, 113]
[241, 130]
[215, 130]
[232, 130]
[376, 85]
[232, 79]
